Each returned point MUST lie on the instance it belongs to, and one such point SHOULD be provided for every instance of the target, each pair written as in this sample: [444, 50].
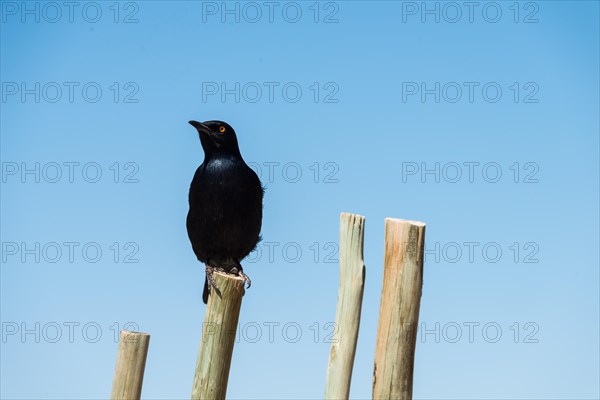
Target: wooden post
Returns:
[349, 303]
[131, 361]
[399, 311]
[218, 338]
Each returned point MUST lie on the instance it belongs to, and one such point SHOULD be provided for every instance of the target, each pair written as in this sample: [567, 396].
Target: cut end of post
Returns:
[229, 276]
[351, 215]
[404, 221]
[134, 333]
[134, 337]
[352, 220]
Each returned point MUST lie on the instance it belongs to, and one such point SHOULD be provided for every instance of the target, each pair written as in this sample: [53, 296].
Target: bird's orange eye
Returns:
[222, 129]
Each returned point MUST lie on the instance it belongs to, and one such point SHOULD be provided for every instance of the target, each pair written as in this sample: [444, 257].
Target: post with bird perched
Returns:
[223, 225]
[218, 338]
[349, 305]
[399, 309]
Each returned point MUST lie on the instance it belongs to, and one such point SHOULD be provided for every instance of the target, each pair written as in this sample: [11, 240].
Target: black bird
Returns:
[225, 198]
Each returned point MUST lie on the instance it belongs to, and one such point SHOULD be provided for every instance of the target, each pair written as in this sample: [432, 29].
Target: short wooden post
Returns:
[218, 338]
[399, 311]
[131, 362]
[349, 304]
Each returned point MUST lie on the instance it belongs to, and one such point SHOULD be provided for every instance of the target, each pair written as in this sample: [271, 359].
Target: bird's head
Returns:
[217, 137]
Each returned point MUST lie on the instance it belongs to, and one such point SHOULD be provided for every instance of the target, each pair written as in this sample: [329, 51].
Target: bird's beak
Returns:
[200, 127]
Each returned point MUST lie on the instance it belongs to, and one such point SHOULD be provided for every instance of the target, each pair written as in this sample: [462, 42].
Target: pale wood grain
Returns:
[399, 310]
[349, 304]
[131, 362]
[218, 338]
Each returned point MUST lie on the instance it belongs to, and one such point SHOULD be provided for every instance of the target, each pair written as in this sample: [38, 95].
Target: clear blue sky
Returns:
[481, 121]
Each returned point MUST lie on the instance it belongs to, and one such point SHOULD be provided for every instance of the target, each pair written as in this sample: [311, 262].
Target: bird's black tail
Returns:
[205, 292]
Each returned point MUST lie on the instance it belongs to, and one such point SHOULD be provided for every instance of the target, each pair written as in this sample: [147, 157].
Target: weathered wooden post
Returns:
[218, 338]
[399, 310]
[131, 362]
[347, 315]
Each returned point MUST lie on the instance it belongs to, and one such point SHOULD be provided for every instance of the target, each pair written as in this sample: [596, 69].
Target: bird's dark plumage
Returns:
[225, 198]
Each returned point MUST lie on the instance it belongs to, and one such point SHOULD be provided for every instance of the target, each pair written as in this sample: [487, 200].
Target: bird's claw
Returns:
[246, 279]
[236, 271]
[239, 271]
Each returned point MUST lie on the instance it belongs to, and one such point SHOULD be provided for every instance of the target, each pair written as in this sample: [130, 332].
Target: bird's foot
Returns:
[246, 279]
[239, 271]
[211, 280]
